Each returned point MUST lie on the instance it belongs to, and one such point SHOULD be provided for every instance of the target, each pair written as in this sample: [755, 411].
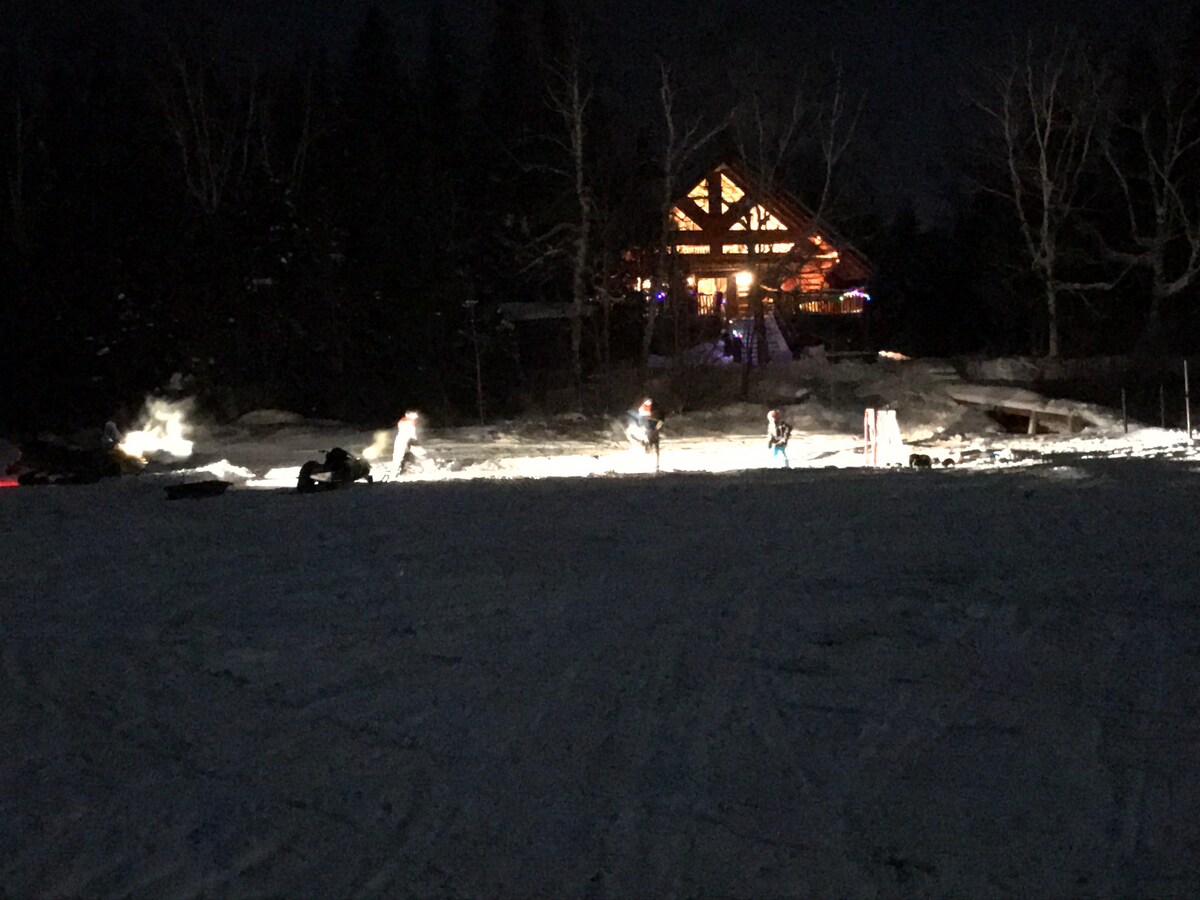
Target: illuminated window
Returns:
[682, 222]
[782, 248]
[706, 294]
[758, 219]
[735, 248]
[764, 221]
[694, 248]
[730, 193]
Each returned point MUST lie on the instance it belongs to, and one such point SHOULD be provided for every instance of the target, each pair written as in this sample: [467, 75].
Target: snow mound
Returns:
[221, 469]
[1016, 369]
[1019, 399]
[271, 417]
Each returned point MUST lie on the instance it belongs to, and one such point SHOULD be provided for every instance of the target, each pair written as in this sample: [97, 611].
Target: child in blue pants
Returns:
[778, 432]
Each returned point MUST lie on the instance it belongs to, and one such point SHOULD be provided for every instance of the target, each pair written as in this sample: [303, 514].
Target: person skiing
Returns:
[403, 452]
[778, 432]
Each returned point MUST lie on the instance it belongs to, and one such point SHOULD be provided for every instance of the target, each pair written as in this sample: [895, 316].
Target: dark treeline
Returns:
[331, 229]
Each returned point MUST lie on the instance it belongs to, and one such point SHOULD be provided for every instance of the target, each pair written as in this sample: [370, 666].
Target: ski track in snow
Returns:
[817, 683]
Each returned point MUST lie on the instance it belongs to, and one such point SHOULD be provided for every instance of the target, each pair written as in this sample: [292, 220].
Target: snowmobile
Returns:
[49, 462]
[340, 469]
[413, 460]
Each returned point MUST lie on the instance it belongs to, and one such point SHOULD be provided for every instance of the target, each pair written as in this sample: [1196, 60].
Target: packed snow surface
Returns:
[724, 680]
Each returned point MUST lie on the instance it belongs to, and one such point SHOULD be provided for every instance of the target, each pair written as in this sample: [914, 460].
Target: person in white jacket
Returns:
[406, 450]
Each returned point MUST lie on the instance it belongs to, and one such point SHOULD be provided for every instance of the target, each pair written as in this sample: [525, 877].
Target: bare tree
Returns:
[19, 143]
[17, 174]
[1047, 111]
[570, 98]
[817, 123]
[607, 284]
[287, 162]
[1157, 178]
[682, 140]
[213, 135]
[477, 356]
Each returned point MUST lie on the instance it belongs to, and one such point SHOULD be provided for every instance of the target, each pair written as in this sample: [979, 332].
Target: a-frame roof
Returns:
[725, 204]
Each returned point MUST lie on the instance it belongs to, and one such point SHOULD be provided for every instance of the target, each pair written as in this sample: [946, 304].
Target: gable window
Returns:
[730, 193]
[682, 221]
[758, 219]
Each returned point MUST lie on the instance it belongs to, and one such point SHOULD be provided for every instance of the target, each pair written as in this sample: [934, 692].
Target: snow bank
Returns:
[1018, 399]
[1030, 370]
[271, 417]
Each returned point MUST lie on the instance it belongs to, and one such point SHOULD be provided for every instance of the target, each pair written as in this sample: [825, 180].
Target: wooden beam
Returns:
[716, 236]
[696, 213]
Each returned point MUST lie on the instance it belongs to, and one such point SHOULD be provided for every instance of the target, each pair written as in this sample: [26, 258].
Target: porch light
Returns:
[743, 280]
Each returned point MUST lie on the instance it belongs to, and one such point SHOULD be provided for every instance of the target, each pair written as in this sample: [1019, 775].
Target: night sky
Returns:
[913, 62]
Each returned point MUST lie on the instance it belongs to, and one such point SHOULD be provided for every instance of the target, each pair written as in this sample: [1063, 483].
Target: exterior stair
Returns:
[777, 346]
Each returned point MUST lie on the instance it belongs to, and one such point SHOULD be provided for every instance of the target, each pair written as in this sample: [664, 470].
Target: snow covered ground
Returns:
[939, 415]
[725, 680]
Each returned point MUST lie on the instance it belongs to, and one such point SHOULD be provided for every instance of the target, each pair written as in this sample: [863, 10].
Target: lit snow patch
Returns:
[221, 469]
[380, 443]
[284, 476]
[163, 430]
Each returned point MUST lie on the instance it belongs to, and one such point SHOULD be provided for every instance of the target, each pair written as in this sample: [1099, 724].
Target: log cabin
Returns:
[727, 237]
